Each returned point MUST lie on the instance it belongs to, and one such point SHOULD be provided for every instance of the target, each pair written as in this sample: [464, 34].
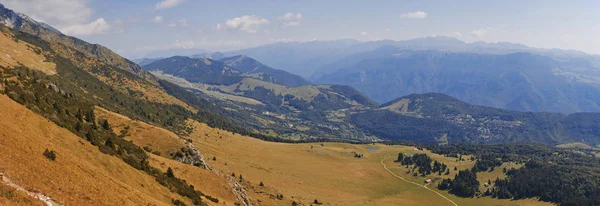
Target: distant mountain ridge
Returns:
[224, 71]
[518, 81]
[250, 66]
[197, 70]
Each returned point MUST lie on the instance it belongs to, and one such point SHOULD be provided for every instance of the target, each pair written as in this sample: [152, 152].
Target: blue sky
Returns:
[135, 28]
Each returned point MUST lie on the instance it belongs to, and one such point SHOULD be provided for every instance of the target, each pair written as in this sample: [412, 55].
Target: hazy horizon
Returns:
[136, 28]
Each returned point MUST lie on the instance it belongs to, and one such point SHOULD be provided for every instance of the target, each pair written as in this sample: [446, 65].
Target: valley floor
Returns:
[330, 173]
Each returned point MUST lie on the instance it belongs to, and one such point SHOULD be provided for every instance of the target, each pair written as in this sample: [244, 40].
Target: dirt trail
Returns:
[36, 195]
[414, 183]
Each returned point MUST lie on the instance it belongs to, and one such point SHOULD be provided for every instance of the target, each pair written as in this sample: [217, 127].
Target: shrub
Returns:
[51, 155]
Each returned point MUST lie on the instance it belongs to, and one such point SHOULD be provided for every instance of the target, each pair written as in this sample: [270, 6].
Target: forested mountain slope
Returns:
[523, 81]
[438, 118]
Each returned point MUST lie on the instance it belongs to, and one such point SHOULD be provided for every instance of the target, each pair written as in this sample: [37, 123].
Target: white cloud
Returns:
[291, 16]
[458, 34]
[364, 33]
[96, 27]
[478, 33]
[388, 30]
[414, 15]
[157, 19]
[248, 23]
[184, 44]
[72, 17]
[165, 4]
[290, 19]
[59, 13]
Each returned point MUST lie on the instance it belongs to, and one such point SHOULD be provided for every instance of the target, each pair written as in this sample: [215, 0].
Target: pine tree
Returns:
[400, 157]
[51, 155]
[79, 115]
[109, 143]
[169, 173]
[90, 116]
[106, 125]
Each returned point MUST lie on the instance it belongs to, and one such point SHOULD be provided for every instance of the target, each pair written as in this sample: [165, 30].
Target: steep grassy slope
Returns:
[102, 54]
[18, 53]
[162, 144]
[12, 197]
[158, 140]
[81, 174]
[68, 95]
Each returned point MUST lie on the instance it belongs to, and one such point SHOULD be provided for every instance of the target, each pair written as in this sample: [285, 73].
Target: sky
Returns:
[136, 28]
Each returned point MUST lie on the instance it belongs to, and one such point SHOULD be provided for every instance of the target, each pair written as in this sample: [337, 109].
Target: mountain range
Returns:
[517, 81]
[506, 75]
[432, 118]
[85, 126]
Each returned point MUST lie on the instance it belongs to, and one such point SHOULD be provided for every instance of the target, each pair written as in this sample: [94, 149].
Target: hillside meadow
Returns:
[80, 175]
[327, 172]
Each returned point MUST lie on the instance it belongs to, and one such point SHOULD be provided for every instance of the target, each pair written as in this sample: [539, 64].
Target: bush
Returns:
[51, 155]
[177, 202]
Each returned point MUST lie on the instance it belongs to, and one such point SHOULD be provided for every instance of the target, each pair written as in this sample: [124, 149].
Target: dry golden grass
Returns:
[203, 180]
[329, 173]
[150, 92]
[142, 134]
[14, 54]
[81, 174]
[166, 142]
[11, 197]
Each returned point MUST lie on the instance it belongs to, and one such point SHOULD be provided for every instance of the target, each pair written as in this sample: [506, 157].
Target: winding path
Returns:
[414, 183]
[49, 201]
